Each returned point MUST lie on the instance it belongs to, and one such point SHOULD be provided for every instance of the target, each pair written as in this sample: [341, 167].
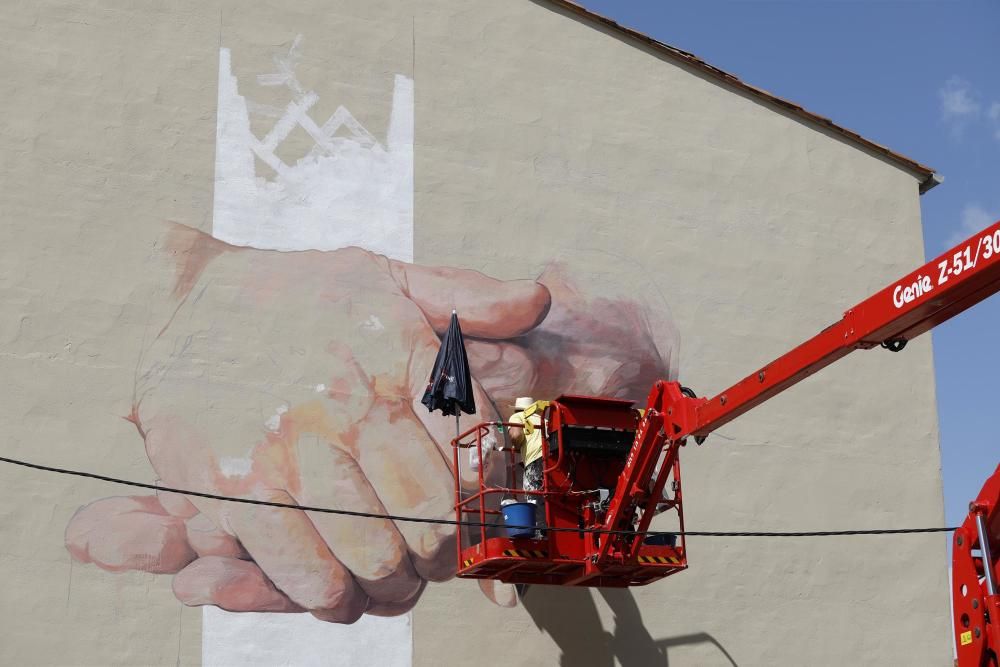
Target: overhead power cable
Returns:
[470, 524]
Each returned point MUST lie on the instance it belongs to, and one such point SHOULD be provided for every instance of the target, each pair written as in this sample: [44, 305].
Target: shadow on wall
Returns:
[570, 617]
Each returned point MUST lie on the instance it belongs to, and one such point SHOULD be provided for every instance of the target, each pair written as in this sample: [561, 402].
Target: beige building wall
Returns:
[532, 145]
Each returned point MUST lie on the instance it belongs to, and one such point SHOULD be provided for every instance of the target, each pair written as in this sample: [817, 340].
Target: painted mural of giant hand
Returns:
[296, 377]
[292, 367]
[338, 346]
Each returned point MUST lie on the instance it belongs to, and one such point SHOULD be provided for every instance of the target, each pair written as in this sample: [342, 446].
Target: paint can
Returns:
[519, 518]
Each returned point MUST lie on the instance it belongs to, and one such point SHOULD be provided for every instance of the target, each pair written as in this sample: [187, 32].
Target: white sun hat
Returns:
[523, 402]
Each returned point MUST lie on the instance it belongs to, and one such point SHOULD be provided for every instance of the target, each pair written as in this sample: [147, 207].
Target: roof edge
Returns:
[928, 177]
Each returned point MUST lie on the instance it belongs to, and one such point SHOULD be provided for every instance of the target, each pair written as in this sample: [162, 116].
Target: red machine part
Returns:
[593, 542]
[934, 293]
[586, 446]
[975, 571]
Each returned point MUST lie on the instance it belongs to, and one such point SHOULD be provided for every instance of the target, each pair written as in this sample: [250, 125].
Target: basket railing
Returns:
[473, 502]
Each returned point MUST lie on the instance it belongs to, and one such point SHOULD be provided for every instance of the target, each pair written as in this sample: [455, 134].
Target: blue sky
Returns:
[919, 76]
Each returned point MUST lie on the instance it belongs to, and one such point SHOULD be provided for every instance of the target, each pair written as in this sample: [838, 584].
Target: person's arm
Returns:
[516, 432]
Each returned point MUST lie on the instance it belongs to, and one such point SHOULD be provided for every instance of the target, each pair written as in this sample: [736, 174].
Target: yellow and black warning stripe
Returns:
[467, 562]
[524, 553]
[663, 560]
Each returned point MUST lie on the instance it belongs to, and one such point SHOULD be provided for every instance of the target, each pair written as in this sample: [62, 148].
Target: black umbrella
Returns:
[450, 386]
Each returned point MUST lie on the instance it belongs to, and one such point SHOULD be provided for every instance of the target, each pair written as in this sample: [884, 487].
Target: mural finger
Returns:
[208, 540]
[285, 545]
[488, 307]
[176, 504]
[231, 584]
[410, 476]
[129, 533]
[372, 549]
[505, 370]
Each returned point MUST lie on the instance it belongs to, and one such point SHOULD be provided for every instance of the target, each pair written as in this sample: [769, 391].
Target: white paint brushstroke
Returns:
[269, 640]
[273, 422]
[373, 323]
[347, 191]
[235, 467]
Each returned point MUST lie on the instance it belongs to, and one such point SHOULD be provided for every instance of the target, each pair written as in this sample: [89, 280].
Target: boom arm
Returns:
[934, 293]
[931, 295]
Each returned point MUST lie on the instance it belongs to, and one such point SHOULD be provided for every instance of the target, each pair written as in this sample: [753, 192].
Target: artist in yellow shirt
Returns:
[530, 445]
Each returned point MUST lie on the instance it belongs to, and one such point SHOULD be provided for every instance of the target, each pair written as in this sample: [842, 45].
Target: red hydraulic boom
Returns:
[975, 567]
[610, 467]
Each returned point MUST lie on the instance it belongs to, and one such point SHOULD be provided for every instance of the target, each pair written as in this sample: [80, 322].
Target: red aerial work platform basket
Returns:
[586, 443]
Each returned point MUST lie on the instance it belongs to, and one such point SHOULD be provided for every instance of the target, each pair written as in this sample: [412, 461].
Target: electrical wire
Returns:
[470, 524]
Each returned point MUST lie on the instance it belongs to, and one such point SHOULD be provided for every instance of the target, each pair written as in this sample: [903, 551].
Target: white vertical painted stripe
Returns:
[347, 191]
[269, 640]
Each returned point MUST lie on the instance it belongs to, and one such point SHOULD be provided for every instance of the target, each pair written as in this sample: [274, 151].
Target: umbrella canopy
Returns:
[450, 386]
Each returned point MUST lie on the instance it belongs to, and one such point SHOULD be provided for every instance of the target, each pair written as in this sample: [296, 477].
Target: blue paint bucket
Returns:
[519, 519]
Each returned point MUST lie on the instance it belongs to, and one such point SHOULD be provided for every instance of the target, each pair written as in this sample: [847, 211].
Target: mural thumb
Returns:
[488, 307]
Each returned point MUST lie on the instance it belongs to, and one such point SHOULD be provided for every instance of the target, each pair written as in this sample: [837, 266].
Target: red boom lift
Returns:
[609, 467]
